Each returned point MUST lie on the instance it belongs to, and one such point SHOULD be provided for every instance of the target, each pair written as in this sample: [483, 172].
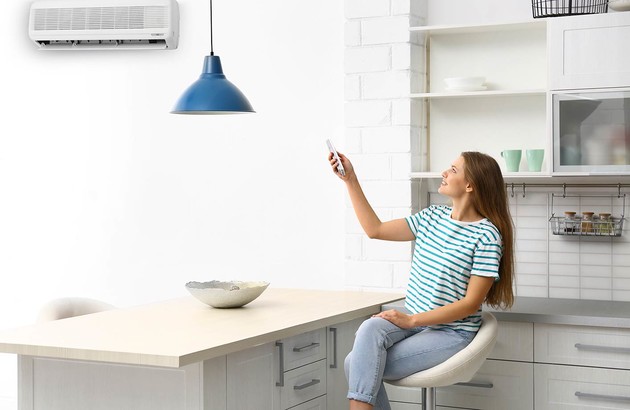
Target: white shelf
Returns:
[507, 176]
[481, 28]
[493, 93]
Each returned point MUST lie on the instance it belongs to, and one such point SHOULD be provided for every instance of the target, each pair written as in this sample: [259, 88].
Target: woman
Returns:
[463, 256]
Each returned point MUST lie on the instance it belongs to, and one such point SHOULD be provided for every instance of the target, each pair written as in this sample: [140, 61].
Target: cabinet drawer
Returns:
[571, 387]
[515, 341]
[303, 384]
[318, 403]
[304, 348]
[582, 345]
[497, 385]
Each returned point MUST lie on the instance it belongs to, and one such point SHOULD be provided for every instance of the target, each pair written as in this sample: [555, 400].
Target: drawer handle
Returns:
[307, 347]
[607, 397]
[476, 384]
[280, 382]
[608, 349]
[313, 382]
[333, 330]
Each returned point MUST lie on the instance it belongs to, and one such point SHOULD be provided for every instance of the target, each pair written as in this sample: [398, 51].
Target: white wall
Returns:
[105, 194]
[478, 11]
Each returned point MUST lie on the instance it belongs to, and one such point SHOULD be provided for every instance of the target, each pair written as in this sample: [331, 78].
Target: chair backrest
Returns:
[62, 308]
[463, 365]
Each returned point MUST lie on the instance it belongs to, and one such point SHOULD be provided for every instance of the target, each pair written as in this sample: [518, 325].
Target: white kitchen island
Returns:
[283, 350]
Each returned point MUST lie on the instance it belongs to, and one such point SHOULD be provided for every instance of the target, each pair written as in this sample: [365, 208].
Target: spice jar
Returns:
[569, 222]
[605, 224]
[587, 222]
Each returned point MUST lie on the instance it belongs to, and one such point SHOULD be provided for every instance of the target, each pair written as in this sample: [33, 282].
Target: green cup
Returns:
[535, 159]
[512, 159]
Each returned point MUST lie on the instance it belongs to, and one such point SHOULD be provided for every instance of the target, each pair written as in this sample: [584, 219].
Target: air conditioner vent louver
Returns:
[104, 23]
[101, 18]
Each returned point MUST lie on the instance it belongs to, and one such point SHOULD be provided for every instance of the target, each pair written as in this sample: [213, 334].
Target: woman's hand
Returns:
[400, 319]
[347, 166]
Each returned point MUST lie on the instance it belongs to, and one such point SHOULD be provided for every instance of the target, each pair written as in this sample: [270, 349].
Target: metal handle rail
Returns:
[333, 331]
[606, 397]
[476, 384]
[607, 349]
[280, 382]
[307, 347]
[313, 382]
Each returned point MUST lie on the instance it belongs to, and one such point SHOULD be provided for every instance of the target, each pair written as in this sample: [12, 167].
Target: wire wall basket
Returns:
[588, 224]
[557, 8]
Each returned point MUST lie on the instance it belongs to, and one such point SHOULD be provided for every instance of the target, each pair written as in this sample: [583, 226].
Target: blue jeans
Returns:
[383, 351]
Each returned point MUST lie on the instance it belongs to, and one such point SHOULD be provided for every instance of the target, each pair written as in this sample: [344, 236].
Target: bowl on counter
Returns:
[226, 294]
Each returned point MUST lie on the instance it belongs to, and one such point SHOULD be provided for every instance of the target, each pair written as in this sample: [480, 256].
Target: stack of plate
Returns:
[458, 84]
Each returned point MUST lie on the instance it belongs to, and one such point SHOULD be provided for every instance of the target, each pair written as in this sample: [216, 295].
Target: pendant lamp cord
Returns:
[211, 45]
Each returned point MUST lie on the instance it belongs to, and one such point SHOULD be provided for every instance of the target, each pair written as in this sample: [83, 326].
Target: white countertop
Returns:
[601, 313]
[181, 331]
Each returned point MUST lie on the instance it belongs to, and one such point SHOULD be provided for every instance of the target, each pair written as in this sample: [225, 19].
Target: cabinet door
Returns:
[573, 387]
[340, 341]
[515, 341]
[498, 385]
[252, 375]
[582, 345]
[589, 51]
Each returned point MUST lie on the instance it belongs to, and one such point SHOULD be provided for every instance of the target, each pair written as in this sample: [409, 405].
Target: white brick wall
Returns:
[380, 129]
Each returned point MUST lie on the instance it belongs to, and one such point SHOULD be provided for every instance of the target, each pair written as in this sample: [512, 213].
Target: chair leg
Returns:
[428, 398]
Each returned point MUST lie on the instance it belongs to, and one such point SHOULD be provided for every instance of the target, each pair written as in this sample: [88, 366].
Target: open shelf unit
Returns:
[510, 114]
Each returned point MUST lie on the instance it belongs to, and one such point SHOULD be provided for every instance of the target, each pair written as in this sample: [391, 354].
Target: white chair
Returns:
[459, 368]
[62, 308]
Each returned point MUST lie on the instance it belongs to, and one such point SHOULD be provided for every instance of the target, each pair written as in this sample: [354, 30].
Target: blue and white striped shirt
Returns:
[447, 252]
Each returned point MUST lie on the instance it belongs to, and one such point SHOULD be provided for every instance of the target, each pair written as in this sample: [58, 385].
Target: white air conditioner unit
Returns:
[104, 24]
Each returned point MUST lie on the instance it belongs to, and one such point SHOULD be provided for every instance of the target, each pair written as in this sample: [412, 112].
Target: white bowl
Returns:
[619, 5]
[228, 294]
[464, 82]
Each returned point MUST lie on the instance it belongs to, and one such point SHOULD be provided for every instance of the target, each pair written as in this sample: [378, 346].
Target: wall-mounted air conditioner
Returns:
[104, 24]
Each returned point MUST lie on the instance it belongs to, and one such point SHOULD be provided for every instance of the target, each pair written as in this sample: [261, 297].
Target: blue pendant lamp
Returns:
[212, 93]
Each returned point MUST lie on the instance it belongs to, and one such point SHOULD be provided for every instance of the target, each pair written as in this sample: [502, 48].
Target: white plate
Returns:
[472, 88]
[619, 5]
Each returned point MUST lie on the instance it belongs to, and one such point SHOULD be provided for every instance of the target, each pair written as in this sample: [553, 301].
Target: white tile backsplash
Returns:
[560, 266]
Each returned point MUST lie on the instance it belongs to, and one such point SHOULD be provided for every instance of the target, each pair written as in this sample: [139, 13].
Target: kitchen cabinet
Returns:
[550, 354]
[504, 381]
[251, 377]
[181, 354]
[340, 342]
[303, 370]
[581, 367]
[591, 131]
[510, 114]
[529, 67]
[589, 51]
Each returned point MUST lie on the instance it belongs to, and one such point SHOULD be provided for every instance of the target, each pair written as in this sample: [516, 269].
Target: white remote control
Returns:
[332, 149]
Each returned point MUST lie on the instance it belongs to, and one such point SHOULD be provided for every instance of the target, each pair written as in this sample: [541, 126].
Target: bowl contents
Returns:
[226, 294]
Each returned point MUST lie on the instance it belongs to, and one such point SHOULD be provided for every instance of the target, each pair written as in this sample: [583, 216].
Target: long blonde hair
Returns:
[489, 197]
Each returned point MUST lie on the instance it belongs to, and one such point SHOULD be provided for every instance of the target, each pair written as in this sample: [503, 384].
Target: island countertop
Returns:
[181, 331]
